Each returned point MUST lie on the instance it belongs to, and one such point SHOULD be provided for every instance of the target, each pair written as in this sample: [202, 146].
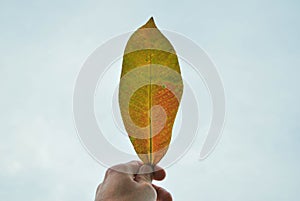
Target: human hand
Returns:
[132, 185]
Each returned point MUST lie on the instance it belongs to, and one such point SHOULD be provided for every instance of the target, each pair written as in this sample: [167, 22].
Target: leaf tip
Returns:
[150, 24]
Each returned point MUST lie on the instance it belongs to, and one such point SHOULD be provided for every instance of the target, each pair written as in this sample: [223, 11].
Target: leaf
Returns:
[150, 91]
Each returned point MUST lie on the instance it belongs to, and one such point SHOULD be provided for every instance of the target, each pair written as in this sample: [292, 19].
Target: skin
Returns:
[134, 185]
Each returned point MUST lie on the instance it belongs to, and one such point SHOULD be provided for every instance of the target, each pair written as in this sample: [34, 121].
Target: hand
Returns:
[132, 186]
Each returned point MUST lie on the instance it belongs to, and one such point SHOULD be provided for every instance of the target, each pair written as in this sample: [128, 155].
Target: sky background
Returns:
[254, 44]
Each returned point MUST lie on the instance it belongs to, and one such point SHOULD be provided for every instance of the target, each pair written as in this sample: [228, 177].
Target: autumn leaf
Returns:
[150, 91]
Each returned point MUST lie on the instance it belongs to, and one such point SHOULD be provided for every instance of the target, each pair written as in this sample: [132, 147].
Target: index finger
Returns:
[159, 173]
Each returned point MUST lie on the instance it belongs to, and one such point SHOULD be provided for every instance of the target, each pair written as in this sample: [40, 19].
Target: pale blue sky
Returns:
[255, 45]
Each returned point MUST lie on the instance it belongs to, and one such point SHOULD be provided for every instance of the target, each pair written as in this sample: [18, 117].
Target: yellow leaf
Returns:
[150, 91]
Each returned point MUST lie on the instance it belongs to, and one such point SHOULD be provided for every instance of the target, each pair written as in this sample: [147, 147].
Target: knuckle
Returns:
[98, 188]
[109, 171]
[136, 162]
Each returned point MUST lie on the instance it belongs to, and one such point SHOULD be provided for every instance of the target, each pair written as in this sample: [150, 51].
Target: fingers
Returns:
[156, 173]
[131, 168]
[136, 170]
[159, 173]
[144, 174]
[162, 194]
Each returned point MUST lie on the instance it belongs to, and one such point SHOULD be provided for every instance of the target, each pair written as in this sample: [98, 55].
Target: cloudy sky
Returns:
[254, 44]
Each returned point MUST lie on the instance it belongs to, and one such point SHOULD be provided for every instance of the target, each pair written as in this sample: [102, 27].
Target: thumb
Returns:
[145, 174]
